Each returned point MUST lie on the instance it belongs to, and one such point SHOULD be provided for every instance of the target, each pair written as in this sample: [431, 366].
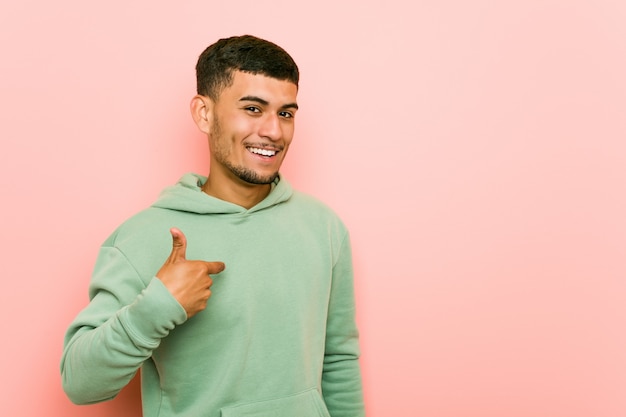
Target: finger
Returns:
[179, 245]
[214, 267]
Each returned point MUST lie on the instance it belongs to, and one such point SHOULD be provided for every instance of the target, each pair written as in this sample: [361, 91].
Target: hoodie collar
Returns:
[186, 195]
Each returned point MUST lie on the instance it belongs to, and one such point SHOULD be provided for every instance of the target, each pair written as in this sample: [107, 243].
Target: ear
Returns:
[201, 108]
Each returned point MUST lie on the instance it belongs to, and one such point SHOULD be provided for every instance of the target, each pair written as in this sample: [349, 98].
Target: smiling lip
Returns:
[261, 151]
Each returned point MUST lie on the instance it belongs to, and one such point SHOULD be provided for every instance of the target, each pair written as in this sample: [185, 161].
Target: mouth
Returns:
[262, 151]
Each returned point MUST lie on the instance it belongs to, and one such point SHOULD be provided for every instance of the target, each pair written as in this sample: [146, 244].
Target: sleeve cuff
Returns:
[153, 314]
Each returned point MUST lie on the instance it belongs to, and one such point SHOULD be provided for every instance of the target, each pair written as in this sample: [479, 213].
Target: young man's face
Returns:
[251, 129]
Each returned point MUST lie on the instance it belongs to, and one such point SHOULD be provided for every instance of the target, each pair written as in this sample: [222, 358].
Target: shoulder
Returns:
[315, 211]
[313, 203]
[144, 229]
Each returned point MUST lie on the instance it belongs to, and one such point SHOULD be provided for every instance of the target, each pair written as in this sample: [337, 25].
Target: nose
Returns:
[270, 127]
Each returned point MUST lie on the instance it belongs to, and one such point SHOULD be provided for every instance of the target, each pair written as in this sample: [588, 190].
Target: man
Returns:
[266, 327]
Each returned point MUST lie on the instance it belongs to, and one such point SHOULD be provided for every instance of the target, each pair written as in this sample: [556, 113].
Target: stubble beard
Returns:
[245, 174]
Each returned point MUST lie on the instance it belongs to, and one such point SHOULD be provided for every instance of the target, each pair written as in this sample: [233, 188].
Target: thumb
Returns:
[179, 245]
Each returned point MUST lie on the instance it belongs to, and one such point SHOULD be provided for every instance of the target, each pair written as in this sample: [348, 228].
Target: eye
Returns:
[286, 114]
[252, 109]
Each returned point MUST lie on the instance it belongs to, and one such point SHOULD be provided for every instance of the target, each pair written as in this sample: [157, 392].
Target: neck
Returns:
[240, 193]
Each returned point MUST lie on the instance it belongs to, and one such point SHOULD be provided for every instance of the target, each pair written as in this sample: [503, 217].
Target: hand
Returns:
[188, 281]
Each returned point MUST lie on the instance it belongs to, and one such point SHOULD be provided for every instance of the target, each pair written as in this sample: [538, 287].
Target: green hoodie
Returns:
[278, 337]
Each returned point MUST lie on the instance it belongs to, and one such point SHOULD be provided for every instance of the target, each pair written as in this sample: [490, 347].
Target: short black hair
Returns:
[247, 53]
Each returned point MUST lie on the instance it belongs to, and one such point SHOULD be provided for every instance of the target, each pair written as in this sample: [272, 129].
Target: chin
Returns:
[255, 178]
[262, 180]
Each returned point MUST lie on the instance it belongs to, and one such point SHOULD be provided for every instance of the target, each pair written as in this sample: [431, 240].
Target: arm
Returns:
[111, 338]
[126, 319]
[341, 378]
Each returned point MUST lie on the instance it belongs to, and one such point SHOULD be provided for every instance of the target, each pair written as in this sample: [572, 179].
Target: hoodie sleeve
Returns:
[110, 339]
[341, 379]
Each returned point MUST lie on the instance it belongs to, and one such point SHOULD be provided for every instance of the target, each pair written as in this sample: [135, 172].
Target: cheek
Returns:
[227, 141]
[288, 131]
[240, 126]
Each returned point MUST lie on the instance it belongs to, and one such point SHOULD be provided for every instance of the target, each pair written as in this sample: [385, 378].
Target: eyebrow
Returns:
[265, 102]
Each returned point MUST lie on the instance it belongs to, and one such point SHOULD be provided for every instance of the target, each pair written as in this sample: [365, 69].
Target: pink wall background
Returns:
[476, 150]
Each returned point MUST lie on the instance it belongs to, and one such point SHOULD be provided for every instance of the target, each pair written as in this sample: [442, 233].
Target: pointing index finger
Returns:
[215, 267]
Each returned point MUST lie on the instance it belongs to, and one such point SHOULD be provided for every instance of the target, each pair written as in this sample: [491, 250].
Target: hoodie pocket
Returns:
[305, 404]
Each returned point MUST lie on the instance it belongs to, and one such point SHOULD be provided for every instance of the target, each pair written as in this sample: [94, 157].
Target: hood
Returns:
[186, 195]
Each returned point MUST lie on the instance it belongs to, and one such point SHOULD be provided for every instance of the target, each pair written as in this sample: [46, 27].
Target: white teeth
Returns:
[264, 152]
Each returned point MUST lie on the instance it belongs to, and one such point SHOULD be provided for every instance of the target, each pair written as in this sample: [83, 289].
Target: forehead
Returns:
[272, 90]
